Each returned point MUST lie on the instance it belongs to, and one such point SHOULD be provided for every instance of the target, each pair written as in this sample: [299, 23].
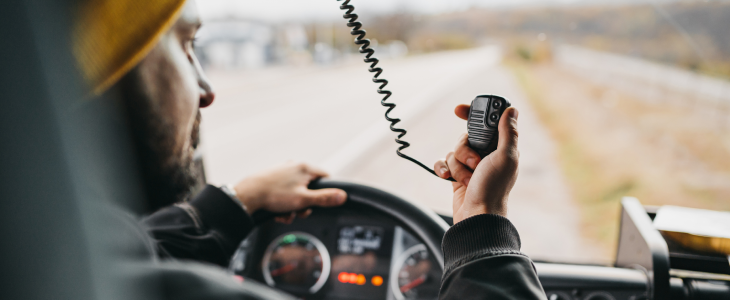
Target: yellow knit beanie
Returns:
[110, 37]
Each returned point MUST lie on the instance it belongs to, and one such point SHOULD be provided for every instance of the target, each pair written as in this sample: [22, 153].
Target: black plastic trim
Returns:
[561, 276]
[641, 246]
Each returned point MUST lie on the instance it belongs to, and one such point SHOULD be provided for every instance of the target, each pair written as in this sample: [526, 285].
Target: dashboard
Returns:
[350, 252]
[379, 246]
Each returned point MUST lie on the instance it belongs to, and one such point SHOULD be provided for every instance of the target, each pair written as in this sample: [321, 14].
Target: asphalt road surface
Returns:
[331, 117]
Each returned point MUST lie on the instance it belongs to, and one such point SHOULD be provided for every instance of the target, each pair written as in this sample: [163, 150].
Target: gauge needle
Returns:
[416, 282]
[283, 270]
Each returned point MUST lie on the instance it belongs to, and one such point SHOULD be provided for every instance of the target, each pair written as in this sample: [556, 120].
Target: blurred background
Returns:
[616, 98]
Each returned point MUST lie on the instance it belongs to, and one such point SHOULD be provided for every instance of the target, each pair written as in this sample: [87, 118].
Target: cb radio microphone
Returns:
[484, 115]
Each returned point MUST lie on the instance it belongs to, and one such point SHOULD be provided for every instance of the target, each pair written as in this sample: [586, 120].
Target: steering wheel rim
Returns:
[425, 223]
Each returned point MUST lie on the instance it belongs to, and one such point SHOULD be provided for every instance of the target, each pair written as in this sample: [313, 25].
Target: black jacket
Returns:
[482, 257]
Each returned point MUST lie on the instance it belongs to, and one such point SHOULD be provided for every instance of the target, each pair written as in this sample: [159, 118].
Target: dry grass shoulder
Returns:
[613, 145]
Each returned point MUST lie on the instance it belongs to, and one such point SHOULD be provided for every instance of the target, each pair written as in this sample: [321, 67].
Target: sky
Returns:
[325, 10]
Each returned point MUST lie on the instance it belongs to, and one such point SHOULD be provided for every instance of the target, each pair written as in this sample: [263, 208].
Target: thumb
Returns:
[324, 197]
[508, 134]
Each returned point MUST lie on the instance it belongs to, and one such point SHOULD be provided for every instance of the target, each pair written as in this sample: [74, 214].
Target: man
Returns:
[141, 53]
[162, 94]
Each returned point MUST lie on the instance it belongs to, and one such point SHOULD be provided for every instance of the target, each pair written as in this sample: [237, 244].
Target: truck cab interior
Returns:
[62, 158]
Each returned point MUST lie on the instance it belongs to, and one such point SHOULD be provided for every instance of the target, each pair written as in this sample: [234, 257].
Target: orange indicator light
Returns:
[358, 279]
[377, 280]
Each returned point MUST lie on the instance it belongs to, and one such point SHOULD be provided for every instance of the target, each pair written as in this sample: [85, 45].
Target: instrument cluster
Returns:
[340, 254]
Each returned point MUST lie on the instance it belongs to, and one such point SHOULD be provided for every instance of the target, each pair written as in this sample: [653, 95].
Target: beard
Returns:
[169, 174]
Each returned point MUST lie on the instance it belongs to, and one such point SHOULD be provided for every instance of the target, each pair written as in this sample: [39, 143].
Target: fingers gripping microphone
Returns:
[484, 115]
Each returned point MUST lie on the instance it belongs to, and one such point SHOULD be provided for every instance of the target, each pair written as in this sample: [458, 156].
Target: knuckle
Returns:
[513, 158]
[462, 151]
[331, 200]
[513, 127]
[324, 199]
[320, 200]
[515, 132]
[460, 172]
[300, 201]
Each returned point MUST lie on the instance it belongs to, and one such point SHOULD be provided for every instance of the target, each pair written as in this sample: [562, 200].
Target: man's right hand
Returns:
[482, 185]
[284, 190]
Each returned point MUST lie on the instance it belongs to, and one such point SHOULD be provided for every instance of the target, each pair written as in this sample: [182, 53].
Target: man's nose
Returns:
[206, 94]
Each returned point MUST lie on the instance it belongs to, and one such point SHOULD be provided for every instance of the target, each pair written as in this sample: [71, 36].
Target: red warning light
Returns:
[354, 278]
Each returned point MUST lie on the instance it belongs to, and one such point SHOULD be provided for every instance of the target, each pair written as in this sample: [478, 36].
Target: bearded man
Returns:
[141, 54]
[152, 70]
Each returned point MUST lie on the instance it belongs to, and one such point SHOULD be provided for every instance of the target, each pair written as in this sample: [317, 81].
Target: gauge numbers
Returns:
[414, 267]
[296, 262]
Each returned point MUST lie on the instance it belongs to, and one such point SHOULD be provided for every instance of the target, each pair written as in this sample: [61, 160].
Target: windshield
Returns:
[616, 98]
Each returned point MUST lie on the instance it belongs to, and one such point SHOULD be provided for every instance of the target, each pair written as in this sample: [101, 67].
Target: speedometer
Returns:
[414, 279]
[296, 262]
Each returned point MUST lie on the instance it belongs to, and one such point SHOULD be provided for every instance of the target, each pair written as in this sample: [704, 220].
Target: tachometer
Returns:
[296, 262]
[414, 268]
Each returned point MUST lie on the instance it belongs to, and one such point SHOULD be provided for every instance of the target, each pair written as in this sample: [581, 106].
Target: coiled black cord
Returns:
[364, 44]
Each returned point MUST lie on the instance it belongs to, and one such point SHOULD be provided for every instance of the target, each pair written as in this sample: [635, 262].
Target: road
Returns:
[331, 117]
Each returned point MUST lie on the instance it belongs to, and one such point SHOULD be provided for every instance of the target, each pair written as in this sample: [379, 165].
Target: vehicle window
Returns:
[616, 98]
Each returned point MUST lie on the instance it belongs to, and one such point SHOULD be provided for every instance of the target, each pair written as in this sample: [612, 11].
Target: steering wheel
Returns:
[422, 223]
[425, 223]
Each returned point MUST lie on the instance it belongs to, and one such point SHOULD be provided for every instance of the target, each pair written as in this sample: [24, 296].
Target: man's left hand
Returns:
[284, 190]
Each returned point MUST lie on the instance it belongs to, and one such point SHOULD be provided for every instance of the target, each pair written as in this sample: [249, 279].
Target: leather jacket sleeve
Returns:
[482, 260]
[208, 228]
[127, 264]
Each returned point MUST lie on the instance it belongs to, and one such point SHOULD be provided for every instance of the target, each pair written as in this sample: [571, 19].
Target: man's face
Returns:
[163, 95]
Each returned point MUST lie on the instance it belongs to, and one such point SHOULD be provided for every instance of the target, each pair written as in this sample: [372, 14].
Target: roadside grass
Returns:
[612, 145]
[593, 190]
